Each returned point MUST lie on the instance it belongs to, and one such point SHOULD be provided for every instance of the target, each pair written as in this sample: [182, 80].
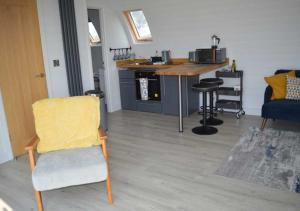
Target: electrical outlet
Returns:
[56, 63]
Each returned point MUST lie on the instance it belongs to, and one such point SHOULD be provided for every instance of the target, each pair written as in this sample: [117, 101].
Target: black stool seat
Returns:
[203, 87]
[217, 81]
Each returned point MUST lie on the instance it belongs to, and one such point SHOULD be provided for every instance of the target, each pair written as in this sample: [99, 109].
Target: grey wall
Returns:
[97, 58]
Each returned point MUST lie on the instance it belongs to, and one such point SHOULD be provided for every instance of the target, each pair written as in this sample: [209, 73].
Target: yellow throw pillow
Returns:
[65, 123]
[278, 84]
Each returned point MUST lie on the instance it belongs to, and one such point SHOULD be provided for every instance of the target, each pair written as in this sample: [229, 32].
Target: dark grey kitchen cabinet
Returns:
[149, 106]
[127, 90]
[169, 95]
[190, 98]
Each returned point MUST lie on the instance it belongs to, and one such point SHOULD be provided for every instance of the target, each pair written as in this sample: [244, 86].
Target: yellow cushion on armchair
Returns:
[65, 123]
[278, 84]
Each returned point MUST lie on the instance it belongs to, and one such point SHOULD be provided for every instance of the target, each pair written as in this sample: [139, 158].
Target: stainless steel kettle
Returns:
[215, 40]
[166, 56]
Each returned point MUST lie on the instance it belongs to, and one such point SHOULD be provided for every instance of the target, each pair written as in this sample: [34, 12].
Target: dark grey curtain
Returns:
[69, 32]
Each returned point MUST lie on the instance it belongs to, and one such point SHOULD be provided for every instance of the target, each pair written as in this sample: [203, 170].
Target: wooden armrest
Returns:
[102, 135]
[32, 144]
[30, 148]
[103, 138]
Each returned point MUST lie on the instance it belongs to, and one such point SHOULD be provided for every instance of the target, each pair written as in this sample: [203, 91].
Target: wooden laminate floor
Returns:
[153, 167]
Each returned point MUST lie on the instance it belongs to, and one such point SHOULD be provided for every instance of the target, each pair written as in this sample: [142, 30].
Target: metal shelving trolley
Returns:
[223, 91]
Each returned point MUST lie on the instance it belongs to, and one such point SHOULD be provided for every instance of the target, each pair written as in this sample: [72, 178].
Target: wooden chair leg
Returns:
[263, 123]
[103, 139]
[109, 190]
[38, 197]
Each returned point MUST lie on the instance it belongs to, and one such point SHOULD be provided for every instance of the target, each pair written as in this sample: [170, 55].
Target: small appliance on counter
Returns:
[166, 56]
[192, 56]
[215, 41]
[210, 55]
[156, 59]
[213, 55]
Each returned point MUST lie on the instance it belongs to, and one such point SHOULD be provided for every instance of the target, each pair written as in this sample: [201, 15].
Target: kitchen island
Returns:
[185, 75]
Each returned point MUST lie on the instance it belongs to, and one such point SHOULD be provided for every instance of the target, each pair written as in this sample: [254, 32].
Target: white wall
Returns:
[113, 36]
[5, 147]
[262, 35]
[52, 45]
[83, 45]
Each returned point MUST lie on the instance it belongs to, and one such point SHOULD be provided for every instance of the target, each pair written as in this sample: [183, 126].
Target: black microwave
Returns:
[210, 55]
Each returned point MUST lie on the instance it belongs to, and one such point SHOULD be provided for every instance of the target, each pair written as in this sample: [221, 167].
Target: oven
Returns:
[153, 84]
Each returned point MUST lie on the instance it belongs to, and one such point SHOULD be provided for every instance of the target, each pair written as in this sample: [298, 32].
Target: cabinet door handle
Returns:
[125, 82]
[149, 79]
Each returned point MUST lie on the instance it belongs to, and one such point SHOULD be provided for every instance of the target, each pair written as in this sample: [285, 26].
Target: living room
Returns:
[161, 156]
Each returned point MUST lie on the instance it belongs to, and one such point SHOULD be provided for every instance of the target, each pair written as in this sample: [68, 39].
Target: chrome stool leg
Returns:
[211, 120]
[204, 129]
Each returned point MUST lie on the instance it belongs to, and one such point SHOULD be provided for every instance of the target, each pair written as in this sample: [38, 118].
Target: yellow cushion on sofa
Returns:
[65, 123]
[278, 84]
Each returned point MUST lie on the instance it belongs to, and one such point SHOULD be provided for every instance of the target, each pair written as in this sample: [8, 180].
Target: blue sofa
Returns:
[280, 109]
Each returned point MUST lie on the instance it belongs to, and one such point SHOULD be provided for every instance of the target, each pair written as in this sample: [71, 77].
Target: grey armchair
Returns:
[69, 166]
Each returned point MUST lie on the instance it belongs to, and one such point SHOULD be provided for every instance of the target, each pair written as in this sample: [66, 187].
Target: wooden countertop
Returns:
[190, 69]
[177, 67]
[132, 64]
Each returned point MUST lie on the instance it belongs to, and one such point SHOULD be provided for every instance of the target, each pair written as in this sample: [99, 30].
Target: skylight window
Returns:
[139, 25]
[94, 36]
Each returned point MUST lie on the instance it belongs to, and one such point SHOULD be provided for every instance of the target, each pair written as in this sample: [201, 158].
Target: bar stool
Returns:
[213, 81]
[204, 88]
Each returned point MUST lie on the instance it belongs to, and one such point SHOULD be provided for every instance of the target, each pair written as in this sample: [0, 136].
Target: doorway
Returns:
[22, 75]
[96, 46]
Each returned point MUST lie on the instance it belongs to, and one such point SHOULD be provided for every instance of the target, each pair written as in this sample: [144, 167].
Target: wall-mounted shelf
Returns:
[122, 53]
[118, 49]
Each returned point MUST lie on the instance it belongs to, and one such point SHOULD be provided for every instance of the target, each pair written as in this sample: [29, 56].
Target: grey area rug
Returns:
[270, 157]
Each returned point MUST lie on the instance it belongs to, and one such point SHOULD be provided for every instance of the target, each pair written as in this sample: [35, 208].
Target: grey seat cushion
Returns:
[69, 167]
